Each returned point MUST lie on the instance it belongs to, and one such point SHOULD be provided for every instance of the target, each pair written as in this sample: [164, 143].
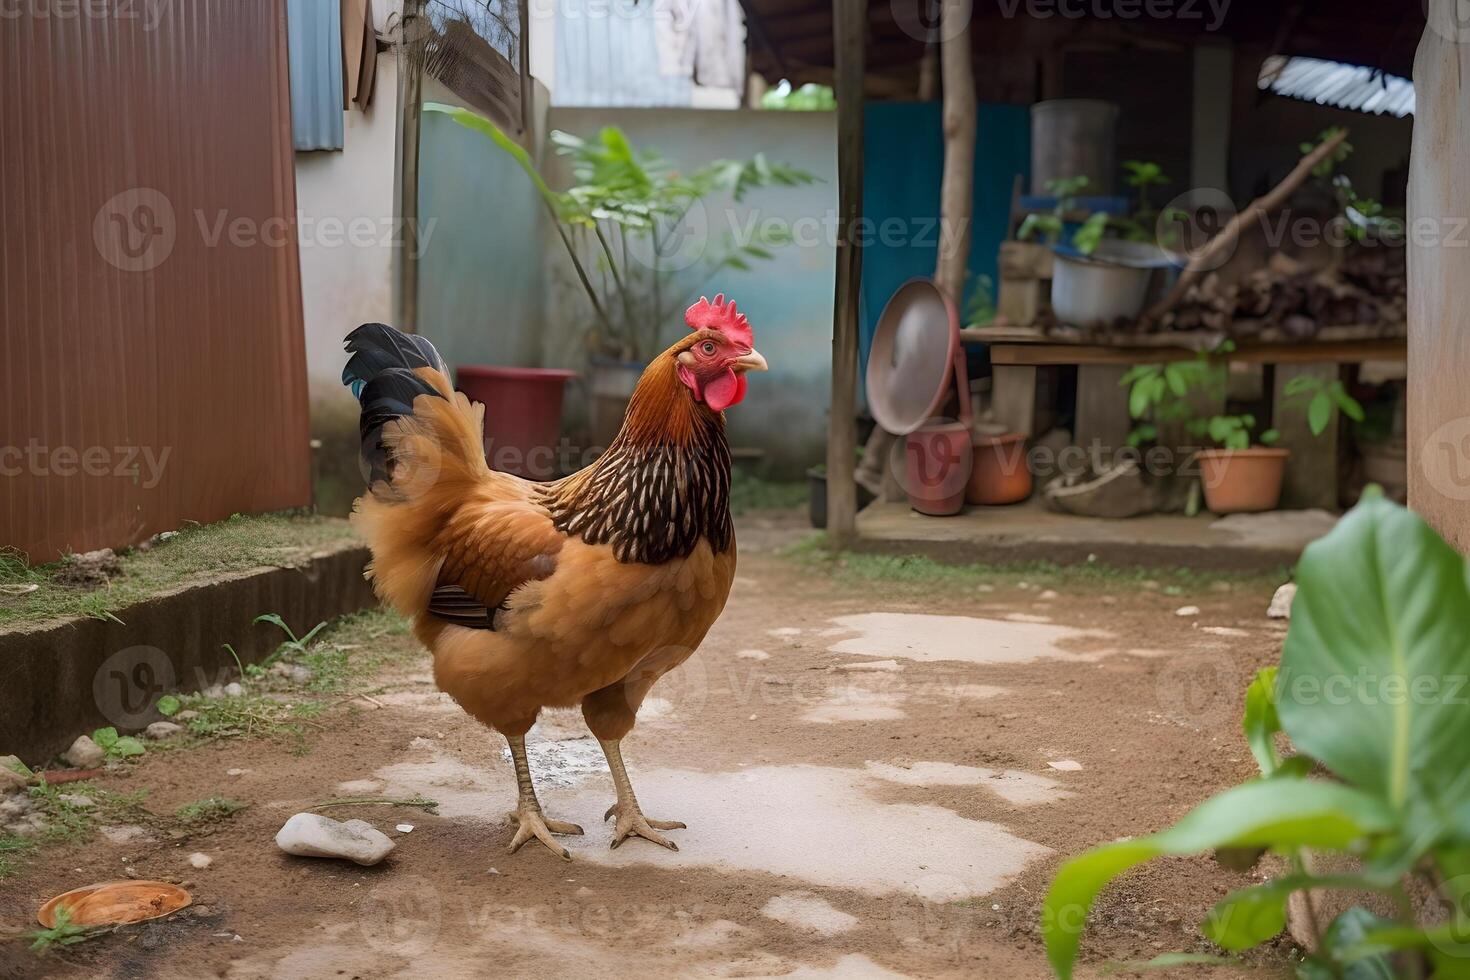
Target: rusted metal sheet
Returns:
[152, 359]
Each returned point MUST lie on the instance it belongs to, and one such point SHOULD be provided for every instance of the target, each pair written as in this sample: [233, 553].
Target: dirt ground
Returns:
[879, 778]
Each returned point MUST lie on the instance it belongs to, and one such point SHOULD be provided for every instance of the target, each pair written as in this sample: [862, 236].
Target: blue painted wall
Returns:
[903, 163]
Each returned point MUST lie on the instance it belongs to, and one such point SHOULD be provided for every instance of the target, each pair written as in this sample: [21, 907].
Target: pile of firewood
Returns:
[1287, 300]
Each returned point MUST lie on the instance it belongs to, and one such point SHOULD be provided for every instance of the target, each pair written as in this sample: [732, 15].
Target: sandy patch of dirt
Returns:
[929, 837]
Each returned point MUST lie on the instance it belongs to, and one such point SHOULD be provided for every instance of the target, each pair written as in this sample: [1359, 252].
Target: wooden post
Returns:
[1311, 470]
[957, 190]
[1438, 399]
[849, 37]
[410, 103]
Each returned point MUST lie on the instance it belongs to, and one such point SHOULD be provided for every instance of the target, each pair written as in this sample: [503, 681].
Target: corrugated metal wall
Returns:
[152, 362]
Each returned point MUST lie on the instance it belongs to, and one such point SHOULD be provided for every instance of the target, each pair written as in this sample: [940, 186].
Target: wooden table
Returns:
[1102, 403]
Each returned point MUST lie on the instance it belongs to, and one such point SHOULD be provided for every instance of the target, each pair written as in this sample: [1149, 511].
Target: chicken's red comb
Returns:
[720, 316]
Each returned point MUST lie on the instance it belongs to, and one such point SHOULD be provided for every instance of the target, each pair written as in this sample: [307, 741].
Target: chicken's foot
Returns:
[533, 823]
[631, 821]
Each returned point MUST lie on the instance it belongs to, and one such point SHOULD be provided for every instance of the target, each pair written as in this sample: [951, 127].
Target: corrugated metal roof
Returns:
[314, 42]
[1336, 84]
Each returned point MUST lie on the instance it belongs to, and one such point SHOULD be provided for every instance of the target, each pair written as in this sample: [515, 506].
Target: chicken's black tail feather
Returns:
[380, 374]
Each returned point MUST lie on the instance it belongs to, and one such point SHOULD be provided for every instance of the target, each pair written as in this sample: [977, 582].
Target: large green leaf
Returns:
[1373, 679]
[1279, 812]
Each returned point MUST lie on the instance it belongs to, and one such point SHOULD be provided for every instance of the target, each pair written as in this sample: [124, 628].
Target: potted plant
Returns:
[625, 225]
[1241, 474]
[1105, 272]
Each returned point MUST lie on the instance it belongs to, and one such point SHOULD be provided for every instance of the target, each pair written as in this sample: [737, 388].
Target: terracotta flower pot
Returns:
[938, 468]
[1000, 474]
[1242, 480]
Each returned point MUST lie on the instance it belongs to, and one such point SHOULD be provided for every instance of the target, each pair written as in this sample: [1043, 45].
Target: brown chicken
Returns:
[584, 591]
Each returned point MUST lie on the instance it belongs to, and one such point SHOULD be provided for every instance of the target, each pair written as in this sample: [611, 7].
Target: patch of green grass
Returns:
[752, 493]
[67, 822]
[355, 647]
[211, 809]
[196, 553]
[10, 846]
[923, 573]
[251, 715]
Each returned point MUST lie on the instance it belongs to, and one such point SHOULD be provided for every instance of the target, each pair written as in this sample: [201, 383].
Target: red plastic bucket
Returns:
[522, 416]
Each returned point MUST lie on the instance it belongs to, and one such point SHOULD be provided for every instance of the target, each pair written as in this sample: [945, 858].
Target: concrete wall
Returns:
[788, 299]
[347, 231]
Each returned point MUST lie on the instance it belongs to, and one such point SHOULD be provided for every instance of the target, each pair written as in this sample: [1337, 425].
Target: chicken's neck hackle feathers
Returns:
[662, 485]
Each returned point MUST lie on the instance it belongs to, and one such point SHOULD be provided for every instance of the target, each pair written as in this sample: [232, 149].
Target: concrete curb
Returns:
[75, 675]
[1008, 550]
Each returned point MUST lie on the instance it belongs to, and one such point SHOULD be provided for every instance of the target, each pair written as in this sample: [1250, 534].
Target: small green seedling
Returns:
[117, 746]
[293, 643]
[63, 933]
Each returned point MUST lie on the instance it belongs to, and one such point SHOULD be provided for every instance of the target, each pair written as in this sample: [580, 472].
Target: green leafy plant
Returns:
[1162, 394]
[1049, 226]
[810, 97]
[1321, 399]
[1363, 216]
[1369, 693]
[1137, 226]
[625, 230]
[117, 746]
[63, 933]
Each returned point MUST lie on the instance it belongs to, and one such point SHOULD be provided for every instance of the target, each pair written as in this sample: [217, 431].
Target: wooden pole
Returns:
[1438, 399]
[410, 102]
[849, 36]
[957, 191]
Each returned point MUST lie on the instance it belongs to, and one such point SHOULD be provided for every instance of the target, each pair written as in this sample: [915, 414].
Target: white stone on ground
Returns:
[752, 655]
[1280, 607]
[84, 753]
[1224, 631]
[313, 835]
[160, 730]
[1186, 611]
[200, 860]
[1066, 765]
[784, 631]
[804, 910]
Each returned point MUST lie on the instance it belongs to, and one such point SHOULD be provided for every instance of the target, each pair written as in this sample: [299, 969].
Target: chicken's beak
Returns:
[751, 362]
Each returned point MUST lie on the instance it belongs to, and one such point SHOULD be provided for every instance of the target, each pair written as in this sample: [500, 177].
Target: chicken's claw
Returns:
[534, 824]
[636, 824]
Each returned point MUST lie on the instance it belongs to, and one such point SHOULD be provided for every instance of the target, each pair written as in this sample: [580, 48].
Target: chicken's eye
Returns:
[708, 348]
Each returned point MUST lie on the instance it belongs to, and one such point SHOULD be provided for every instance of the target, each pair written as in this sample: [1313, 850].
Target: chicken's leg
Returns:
[528, 809]
[631, 821]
